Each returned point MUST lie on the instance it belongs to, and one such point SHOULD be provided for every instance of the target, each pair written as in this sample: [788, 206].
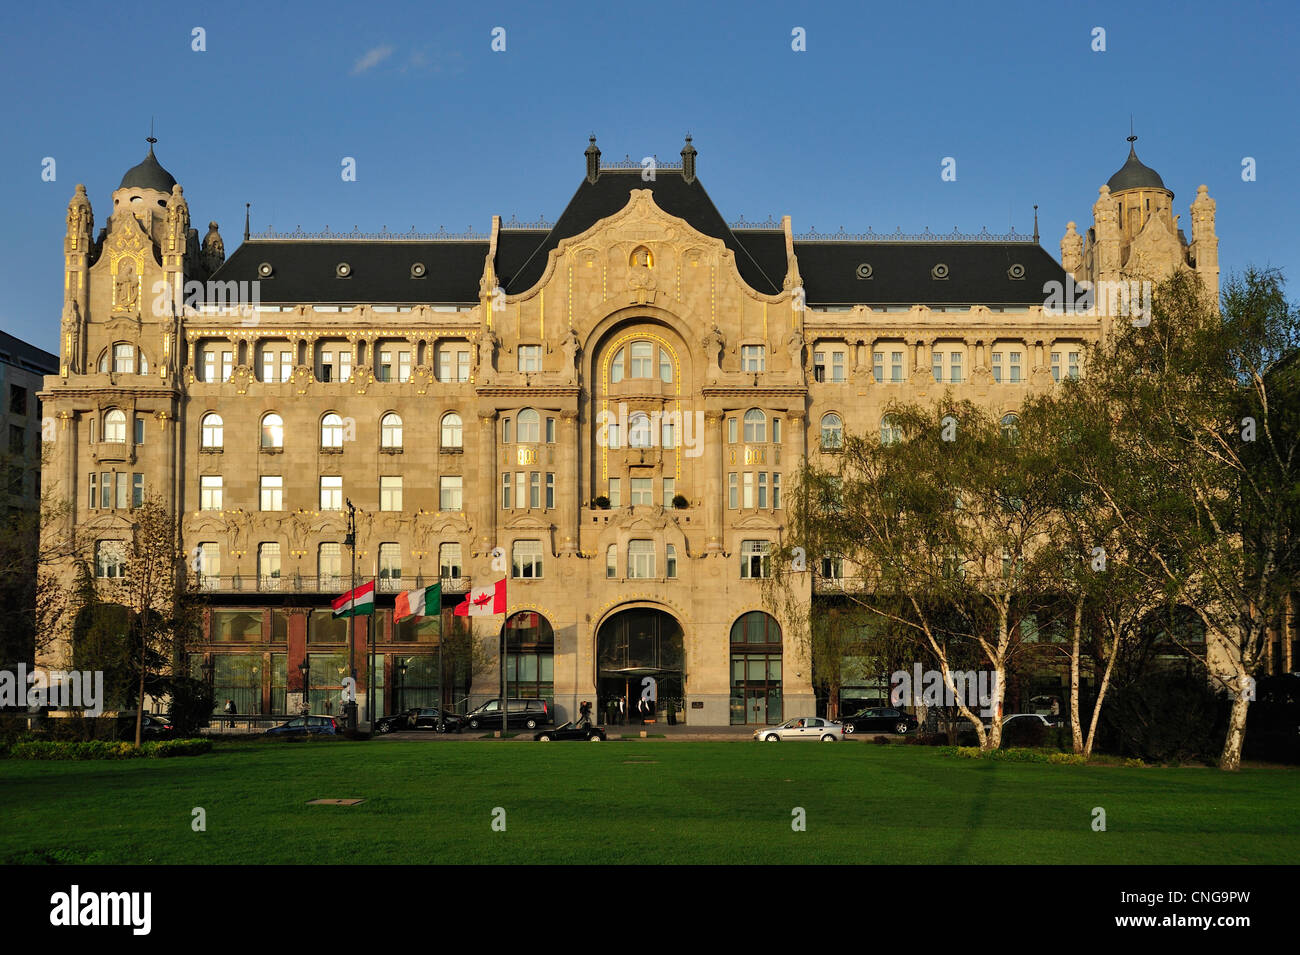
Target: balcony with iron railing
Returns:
[321, 584]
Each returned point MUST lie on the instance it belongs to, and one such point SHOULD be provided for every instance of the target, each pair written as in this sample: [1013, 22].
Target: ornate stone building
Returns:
[608, 410]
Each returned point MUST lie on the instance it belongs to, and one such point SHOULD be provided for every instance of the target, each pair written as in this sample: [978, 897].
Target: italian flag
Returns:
[425, 602]
[484, 601]
[356, 603]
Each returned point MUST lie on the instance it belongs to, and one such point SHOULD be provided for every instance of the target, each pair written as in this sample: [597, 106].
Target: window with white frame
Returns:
[754, 562]
[642, 491]
[530, 358]
[452, 432]
[1065, 362]
[615, 492]
[331, 431]
[670, 491]
[110, 559]
[670, 561]
[268, 565]
[272, 493]
[640, 559]
[210, 492]
[208, 564]
[115, 426]
[272, 431]
[733, 490]
[450, 489]
[752, 358]
[331, 493]
[891, 432]
[123, 358]
[611, 561]
[526, 560]
[390, 493]
[639, 434]
[450, 564]
[390, 566]
[453, 361]
[390, 431]
[329, 566]
[755, 427]
[896, 365]
[507, 492]
[211, 432]
[528, 426]
[832, 432]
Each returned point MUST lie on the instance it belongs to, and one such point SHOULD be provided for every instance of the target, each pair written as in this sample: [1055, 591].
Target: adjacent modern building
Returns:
[607, 410]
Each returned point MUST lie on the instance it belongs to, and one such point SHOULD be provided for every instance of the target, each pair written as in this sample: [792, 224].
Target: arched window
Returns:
[1011, 426]
[452, 434]
[641, 354]
[115, 426]
[665, 366]
[755, 426]
[529, 426]
[530, 656]
[832, 432]
[331, 431]
[272, 431]
[616, 369]
[756, 669]
[638, 430]
[212, 431]
[390, 430]
[507, 433]
[891, 432]
[123, 358]
[611, 561]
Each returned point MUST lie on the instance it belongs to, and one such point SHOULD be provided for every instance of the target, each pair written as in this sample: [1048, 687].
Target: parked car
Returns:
[1018, 719]
[880, 719]
[802, 727]
[397, 721]
[306, 726]
[528, 713]
[427, 718]
[151, 727]
[593, 734]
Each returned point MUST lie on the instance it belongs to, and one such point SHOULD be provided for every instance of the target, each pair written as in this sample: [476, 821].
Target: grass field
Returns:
[635, 802]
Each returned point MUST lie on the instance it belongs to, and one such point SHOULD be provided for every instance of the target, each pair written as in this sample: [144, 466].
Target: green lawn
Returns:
[636, 802]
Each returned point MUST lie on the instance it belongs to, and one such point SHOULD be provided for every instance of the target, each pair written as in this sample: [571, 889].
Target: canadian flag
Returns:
[484, 601]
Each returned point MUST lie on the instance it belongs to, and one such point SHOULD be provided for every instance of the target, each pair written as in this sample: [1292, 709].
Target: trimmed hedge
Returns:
[101, 749]
[1013, 755]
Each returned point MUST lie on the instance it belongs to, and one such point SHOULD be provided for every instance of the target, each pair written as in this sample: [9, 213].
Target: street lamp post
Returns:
[304, 668]
[350, 707]
[401, 685]
[209, 668]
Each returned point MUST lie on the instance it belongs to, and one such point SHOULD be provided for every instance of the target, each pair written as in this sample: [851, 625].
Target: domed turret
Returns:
[149, 174]
[1134, 175]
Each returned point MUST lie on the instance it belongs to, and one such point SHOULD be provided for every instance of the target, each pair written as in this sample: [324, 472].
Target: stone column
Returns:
[713, 481]
[295, 692]
[485, 521]
[799, 428]
[569, 481]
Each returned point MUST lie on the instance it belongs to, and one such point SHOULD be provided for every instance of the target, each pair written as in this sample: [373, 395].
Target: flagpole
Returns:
[350, 708]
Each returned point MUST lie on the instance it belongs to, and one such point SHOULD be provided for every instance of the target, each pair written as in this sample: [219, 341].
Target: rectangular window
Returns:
[507, 499]
[390, 493]
[449, 561]
[776, 489]
[1015, 367]
[94, 491]
[345, 365]
[670, 561]
[462, 366]
[526, 560]
[390, 566]
[762, 489]
[139, 429]
[17, 439]
[878, 366]
[670, 491]
[272, 493]
[530, 358]
[106, 491]
[997, 367]
[137, 490]
[837, 366]
[227, 364]
[120, 489]
[286, 365]
[268, 566]
[936, 365]
[535, 489]
[896, 367]
[615, 492]
[954, 367]
[444, 365]
[268, 365]
[642, 492]
[326, 370]
[748, 499]
[550, 489]
[385, 366]
[550, 430]
[819, 366]
[209, 365]
[753, 560]
[329, 566]
[403, 366]
[209, 565]
[17, 400]
[751, 358]
[641, 358]
[521, 490]
[732, 431]
[1072, 367]
[331, 493]
[110, 559]
[776, 434]
[1056, 366]
[640, 559]
[449, 492]
[733, 491]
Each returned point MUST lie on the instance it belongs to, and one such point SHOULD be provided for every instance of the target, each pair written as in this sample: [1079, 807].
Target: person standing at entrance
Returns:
[584, 714]
[230, 711]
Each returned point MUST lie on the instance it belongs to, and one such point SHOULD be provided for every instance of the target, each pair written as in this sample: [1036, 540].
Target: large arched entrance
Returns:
[641, 668]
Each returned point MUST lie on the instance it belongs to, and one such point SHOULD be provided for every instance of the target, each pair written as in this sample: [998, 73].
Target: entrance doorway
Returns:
[640, 669]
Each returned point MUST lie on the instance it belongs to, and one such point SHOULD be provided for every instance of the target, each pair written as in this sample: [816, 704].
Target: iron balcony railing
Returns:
[321, 584]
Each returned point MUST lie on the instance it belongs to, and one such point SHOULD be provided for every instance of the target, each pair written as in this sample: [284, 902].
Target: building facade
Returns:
[607, 410]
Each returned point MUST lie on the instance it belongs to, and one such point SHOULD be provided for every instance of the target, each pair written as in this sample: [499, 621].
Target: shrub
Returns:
[104, 749]
[680, 502]
[601, 502]
[881, 740]
[927, 739]
[969, 752]
[1134, 763]
[1165, 717]
[178, 747]
[1024, 733]
[1017, 755]
[1067, 759]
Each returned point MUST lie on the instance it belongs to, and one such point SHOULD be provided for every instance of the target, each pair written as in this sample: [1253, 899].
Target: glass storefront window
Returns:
[238, 677]
[236, 626]
[324, 627]
[756, 669]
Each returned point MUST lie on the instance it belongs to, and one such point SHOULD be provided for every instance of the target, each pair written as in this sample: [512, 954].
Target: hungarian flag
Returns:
[425, 602]
[484, 601]
[356, 603]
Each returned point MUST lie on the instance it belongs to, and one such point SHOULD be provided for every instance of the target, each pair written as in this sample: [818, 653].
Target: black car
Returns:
[592, 734]
[151, 727]
[398, 721]
[528, 713]
[306, 726]
[880, 719]
[421, 718]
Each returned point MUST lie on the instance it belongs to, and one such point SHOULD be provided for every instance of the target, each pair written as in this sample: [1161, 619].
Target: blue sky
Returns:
[447, 132]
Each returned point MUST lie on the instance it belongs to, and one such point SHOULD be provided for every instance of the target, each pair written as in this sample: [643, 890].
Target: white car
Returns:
[802, 727]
